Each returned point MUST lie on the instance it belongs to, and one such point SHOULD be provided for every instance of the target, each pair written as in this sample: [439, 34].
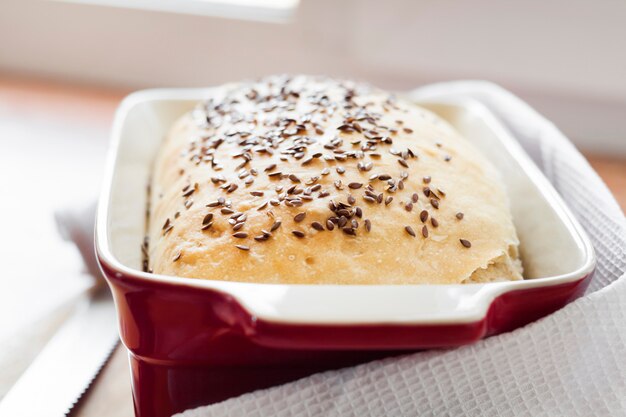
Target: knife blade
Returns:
[67, 365]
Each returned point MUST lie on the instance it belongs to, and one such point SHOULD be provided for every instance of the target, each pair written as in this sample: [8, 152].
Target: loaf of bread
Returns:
[304, 180]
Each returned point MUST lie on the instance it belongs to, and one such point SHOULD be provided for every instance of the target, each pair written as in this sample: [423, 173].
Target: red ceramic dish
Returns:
[194, 342]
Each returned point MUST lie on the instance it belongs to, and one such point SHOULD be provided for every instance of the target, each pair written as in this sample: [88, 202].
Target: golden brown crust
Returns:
[388, 177]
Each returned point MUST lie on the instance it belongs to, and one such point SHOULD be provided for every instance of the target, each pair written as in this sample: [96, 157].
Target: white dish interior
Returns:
[554, 248]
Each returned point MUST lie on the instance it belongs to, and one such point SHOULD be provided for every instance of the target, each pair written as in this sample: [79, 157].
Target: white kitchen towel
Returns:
[571, 363]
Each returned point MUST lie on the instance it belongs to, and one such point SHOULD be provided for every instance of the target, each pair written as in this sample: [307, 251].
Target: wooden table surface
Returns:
[110, 394]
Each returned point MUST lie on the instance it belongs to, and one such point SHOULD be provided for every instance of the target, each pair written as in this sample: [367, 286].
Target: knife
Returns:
[67, 365]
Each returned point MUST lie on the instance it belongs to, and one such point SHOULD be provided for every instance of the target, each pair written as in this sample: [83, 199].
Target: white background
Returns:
[566, 57]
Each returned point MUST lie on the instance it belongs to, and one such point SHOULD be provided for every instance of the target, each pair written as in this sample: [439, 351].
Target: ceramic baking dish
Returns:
[192, 342]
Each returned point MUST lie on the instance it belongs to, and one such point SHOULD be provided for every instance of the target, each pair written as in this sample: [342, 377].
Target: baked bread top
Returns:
[316, 181]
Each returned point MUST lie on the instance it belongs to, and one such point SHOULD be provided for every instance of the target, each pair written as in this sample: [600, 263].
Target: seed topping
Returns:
[307, 158]
[465, 243]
